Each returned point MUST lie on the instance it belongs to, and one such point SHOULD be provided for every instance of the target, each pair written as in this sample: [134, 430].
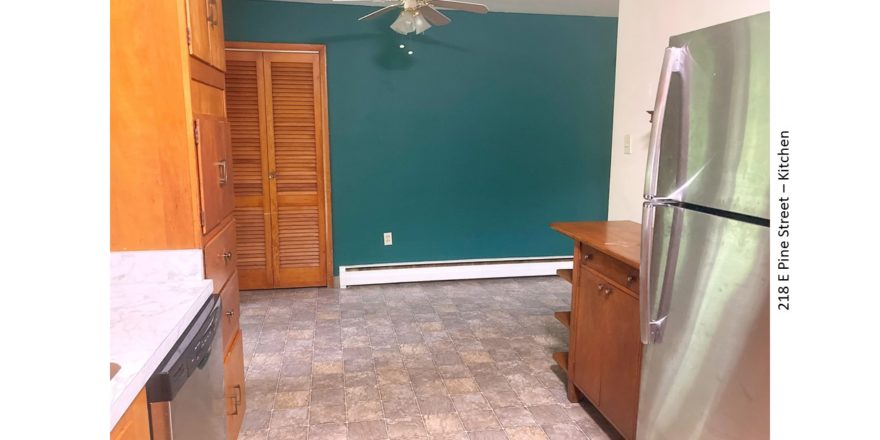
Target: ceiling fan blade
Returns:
[461, 6]
[378, 12]
[434, 16]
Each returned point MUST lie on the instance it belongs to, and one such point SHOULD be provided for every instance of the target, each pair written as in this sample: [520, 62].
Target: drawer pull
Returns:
[227, 256]
[600, 287]
[230, 313]
[608, 291]
[588, 257]
[630, 278]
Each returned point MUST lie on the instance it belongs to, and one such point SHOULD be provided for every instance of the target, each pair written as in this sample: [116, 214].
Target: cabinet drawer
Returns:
[613, 269]
[220, 256]
[229, 298]
[234, 391]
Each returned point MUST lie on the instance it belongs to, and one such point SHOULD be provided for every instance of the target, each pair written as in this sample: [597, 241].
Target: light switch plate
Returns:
[387, 238]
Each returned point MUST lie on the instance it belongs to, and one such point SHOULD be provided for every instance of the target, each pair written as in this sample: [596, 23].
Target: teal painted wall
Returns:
[496, 126]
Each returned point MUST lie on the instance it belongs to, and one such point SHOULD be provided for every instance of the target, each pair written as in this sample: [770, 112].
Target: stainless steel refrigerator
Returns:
[705, 232]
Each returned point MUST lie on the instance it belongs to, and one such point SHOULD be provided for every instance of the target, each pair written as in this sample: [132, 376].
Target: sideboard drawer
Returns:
[615, 270]
[220, 257]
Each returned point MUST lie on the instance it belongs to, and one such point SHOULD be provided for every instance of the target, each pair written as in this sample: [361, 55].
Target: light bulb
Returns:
[404, 23]
[421, 25]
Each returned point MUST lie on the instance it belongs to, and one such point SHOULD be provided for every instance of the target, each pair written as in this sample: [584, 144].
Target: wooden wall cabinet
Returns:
[605, 351]
[170, 147]
[205, 31]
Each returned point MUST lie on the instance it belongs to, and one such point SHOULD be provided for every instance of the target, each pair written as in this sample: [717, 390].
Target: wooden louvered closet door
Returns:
[276, 109]
[250, 166]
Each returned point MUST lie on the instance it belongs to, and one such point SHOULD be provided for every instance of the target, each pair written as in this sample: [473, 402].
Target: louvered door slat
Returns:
[244, 94]
[296, 149]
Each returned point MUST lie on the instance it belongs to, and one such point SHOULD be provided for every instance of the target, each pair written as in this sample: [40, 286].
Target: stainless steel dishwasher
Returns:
[186, 391]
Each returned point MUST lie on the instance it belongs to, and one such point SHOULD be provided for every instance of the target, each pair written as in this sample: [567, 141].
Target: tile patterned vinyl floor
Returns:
[450, 360]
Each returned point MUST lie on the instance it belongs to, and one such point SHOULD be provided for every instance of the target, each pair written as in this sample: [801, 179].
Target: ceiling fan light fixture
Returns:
[405, 23]
[421, 25]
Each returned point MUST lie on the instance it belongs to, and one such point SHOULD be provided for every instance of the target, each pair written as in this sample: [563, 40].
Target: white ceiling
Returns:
[596, 8]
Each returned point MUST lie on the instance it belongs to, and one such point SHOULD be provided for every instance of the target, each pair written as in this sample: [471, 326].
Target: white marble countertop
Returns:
[145, 322]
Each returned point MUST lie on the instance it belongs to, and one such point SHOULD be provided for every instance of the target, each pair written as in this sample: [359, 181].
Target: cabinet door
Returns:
[215, 166]
[199, 27]
[135, 423]
[247, 116]
[621, 358]
[218, 45]
[296, 118]
[587, 365]
[234, 388]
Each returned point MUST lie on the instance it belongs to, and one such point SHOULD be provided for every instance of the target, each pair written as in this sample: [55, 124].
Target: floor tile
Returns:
[406, 428]
[564, 432]
[526, 433]
[513, 417]
[484, 420]
[448, 423]
[369, 430]
[329, 431]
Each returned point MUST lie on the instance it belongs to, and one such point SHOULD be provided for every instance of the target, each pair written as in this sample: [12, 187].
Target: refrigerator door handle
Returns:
[648, 211]
[671, 64]
[650, 328]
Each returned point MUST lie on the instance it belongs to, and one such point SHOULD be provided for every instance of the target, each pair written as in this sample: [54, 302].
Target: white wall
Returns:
[643, 32]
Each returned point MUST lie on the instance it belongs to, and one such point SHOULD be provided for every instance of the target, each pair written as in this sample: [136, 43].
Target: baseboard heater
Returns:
[451, 270]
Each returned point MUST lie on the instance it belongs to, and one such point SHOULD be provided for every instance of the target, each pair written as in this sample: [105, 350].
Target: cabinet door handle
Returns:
[608, 291]
[223, 176]
[271, 175]
[230, 313]
[236, 400]
[600, 287]
[588, 257]
[227, 256]
[630, 278]
[212, 12]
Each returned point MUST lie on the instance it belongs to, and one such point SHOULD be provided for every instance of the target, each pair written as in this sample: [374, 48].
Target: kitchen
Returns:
[330, 221]
[258, 202]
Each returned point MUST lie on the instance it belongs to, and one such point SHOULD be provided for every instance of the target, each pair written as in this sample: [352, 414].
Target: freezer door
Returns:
[710, 138]
[706, 364]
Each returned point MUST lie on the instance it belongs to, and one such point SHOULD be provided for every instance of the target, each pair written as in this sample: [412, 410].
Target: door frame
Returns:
[321, 51]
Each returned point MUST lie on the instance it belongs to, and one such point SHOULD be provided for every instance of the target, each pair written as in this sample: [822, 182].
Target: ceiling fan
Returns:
[418, 15]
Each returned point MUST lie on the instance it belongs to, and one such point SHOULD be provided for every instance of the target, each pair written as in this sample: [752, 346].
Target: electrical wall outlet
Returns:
[387, 237]
[627, 144]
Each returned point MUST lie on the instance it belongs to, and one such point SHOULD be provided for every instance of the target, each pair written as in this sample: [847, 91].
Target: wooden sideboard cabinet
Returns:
[605, 353]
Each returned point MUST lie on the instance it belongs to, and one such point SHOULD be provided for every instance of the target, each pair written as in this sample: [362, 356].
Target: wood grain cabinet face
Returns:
[135, 422]
[621, 359]
[233, 372]
[215, 33]
[215, 170]
[615, 270]
[220, 257]
[588, 319]
[608, 355]
[229, 297]
[199, 29]
[205, 24]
